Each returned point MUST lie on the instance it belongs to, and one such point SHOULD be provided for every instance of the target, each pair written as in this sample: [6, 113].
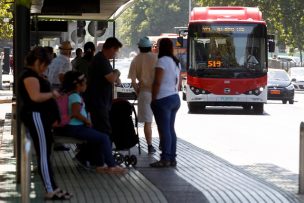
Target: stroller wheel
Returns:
[127, 160]
[118, 157]
[133, 160]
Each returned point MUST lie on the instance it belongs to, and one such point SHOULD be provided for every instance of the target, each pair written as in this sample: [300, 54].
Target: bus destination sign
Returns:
[226, 29]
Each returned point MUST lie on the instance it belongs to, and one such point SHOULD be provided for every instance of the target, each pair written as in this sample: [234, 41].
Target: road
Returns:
[247, 139]
[240, 138]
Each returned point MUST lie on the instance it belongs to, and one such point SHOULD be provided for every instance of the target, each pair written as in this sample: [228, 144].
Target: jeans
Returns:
[100, 141]
[164, 111]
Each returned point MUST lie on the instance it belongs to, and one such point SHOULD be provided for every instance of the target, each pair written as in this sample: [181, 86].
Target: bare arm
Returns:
[180, 82]
[33, 88]
[135, 86]
[159, 73]
[113, 76]
[76, 108]
[132, 76]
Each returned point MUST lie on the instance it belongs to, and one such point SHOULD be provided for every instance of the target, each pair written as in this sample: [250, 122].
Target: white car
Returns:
[292, 60]
[297, 77]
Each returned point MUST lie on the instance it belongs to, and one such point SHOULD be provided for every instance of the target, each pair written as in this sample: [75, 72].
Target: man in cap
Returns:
[60, 65]
[142, 75]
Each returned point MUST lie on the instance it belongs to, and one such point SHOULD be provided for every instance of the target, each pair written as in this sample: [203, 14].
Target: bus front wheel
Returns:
[195, 107]
[258, 108]
[247, 107]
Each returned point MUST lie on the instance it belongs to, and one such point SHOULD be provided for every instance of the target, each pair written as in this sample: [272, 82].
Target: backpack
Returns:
[63, 106]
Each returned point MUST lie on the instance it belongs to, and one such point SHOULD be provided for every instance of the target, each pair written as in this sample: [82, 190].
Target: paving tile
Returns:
[200, 176]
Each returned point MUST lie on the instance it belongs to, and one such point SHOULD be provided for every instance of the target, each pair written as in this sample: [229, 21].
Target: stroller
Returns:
[124, 131]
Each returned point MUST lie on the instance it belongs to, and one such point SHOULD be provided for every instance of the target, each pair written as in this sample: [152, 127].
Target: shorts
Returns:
[144, 110]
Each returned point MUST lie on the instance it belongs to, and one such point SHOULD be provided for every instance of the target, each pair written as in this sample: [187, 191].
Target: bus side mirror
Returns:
[271, 43]
[180, 42]
[271, 46]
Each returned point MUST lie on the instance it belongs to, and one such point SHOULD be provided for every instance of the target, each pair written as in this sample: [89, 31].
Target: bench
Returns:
[59, 137]
[26, 158]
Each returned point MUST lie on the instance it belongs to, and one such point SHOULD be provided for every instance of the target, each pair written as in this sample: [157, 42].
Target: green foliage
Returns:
[6, 28]
[151, 17]
[285, 18]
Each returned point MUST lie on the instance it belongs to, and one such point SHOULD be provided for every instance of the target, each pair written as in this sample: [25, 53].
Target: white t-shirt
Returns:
[60, 64]
[170, 80]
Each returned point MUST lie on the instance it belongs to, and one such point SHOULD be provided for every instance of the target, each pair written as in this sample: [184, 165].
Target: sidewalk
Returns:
[6, 91]
[199, 177]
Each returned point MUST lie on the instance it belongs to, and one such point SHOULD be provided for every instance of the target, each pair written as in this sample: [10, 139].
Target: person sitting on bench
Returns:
[80, 125]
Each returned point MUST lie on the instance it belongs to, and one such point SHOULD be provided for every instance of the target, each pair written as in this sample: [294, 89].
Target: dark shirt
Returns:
[82, 64]
[49, 107]
[99, 90]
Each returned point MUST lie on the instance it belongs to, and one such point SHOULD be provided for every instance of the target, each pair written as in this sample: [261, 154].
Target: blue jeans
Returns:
[100, 141]
[164, 111]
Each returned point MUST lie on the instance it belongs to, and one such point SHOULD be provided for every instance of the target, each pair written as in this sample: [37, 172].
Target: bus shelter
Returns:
[27, 15]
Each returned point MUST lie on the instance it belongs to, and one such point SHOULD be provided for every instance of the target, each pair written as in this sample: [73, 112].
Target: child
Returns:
[80, 125]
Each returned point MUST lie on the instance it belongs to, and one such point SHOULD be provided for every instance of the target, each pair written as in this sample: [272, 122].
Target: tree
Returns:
[151, 17]
[6, 27]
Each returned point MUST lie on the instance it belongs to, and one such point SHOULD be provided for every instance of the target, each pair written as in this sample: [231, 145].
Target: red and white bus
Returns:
[227, 58]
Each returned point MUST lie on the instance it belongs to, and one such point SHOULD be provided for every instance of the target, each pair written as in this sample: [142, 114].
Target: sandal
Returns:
[161, 164]
[65, 193]
[59, 194]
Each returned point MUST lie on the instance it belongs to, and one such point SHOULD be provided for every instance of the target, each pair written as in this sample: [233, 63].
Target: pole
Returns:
[189, 10]
[76, 40]
[1, 70]
[301, 164]
[95, 32]
[114, 32]
[26, 156]
[21, 40]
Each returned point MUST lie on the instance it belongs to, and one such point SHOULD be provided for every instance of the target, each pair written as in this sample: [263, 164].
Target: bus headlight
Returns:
[256, 91]
[198, 91]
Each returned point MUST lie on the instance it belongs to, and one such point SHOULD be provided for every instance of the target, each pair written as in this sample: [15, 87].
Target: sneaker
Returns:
[159, 147]
[151, 149]
[161, 164]
[173, 163]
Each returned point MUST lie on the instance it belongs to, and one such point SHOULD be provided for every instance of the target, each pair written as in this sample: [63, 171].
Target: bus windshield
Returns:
[230, 47]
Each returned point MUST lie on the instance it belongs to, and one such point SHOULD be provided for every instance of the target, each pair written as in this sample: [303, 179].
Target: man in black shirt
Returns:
[101, 77]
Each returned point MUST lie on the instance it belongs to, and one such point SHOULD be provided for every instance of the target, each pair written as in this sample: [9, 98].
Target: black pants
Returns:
[101, 120]
[39, 129]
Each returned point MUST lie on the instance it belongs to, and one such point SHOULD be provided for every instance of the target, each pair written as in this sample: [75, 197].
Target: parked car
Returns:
[279, 86]
[291, 59]
[297, 77]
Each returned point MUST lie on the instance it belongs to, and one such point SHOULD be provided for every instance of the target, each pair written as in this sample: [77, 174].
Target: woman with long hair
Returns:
[166, 102]
[38, 113]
